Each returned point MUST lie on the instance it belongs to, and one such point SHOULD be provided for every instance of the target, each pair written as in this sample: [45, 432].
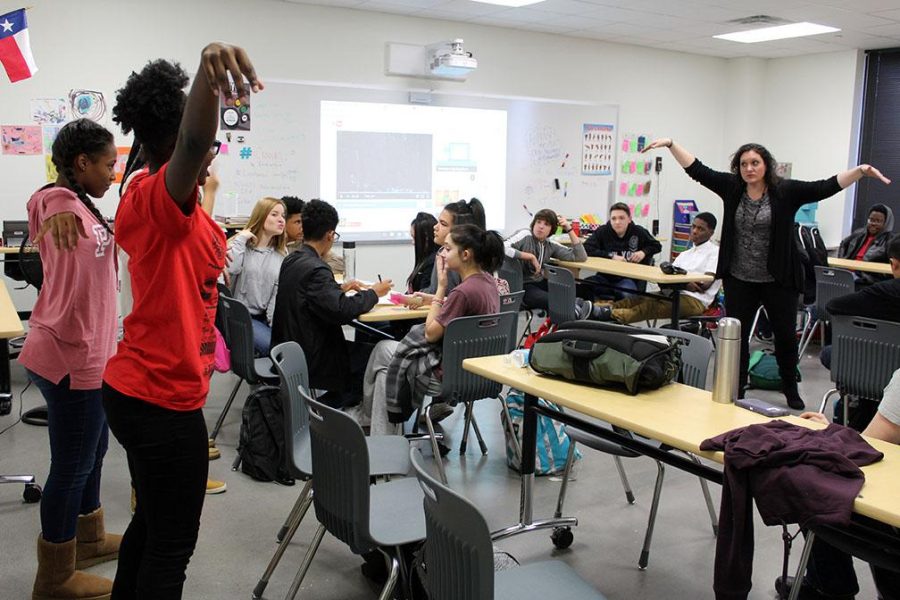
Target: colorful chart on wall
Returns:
[598, 149]
[21, 140]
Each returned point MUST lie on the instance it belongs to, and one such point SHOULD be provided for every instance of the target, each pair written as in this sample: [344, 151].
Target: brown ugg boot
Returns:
[94, 545]
[57, 578]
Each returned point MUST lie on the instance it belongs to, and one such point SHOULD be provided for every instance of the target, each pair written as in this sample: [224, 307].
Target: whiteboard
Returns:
[546, 150]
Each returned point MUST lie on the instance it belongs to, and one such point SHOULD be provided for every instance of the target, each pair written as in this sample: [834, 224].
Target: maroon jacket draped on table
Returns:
[795, 474]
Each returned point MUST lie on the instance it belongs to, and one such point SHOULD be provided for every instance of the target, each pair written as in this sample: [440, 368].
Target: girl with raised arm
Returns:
[758, 259]
[155, 386]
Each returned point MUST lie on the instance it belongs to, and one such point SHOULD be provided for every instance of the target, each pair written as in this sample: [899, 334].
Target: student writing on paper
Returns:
[311, 307]
[758, 259]
[620, 239]
[534, 248]
[256, 256]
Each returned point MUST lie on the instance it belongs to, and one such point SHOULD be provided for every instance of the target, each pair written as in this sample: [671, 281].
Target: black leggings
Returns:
[169, 464]
[742, 299]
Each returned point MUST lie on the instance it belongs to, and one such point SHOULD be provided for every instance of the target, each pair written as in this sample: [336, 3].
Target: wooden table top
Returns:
[682, 417]
[10, 324]
[860, 265]
[392, 312]
[622, 268]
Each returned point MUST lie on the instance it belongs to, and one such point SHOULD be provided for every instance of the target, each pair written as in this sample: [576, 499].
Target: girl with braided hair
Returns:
[155, 386]
[72, 334]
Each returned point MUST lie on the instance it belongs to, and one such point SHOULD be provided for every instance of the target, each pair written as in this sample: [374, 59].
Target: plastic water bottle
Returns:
[728, 356]
[349, 260]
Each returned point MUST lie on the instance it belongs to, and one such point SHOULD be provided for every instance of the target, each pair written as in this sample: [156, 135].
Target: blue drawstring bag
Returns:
[552, 439]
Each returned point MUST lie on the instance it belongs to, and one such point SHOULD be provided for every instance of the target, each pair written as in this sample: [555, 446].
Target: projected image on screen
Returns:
[383, 166]
[383, 163]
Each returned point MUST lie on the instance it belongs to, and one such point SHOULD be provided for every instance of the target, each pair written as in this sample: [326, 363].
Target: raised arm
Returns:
[682, 156]
[851, 176]
[200, 119]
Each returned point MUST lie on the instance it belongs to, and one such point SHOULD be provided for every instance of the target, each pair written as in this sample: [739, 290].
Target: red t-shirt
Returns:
[865, 247]
[166, 356]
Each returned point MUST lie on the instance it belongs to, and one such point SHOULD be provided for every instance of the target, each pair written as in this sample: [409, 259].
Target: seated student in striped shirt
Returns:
[534, 248]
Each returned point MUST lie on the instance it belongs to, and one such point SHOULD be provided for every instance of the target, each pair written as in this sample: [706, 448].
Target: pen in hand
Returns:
[379, 278]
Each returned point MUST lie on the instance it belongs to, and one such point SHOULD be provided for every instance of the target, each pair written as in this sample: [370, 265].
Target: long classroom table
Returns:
[677, 415]
[651, 274]
[860, 265]
[10, 326]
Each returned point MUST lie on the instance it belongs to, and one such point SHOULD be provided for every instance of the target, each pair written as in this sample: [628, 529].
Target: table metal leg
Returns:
[676, 307]
[529, 442]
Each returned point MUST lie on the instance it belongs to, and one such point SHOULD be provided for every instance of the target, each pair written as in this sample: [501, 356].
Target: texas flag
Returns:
[15, 50]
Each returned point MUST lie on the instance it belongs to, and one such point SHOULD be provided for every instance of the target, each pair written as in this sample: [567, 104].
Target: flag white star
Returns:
[7, 26]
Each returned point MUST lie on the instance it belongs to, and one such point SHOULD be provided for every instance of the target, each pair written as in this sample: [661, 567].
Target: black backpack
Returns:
[261, 445]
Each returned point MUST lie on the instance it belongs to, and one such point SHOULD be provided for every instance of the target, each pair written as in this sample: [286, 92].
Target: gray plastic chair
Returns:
[511, 271]
[865, 353]
[239, 336]
[366, 517]
[512, 302]
[389, 453]
[830, 283]
[469, 337]
[460, 557]
[561, 294]
[696, 352]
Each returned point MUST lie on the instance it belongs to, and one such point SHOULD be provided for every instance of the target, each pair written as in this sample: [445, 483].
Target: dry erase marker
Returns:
[564, 160]
[526, 210]
[379, 278]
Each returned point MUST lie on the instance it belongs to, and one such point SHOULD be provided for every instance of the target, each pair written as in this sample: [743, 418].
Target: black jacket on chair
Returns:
[310, 309]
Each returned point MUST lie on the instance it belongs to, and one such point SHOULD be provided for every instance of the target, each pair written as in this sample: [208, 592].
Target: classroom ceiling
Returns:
[680, 25]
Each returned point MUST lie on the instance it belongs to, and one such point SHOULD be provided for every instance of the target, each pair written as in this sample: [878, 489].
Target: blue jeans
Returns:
[262, 335]
[601, 290]
[78, 441]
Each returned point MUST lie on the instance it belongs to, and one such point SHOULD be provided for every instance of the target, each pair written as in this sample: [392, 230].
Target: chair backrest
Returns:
[340, 460]
[471, 337]
[865, 353]
[239, 337]
[290, 363]
[512, 302]
[561, 294]
[511, 271]
[458, 548]
[831, 283]
[696, 352]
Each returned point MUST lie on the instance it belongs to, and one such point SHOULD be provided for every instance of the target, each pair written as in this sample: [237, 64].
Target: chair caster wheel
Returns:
[32, 493]
[562, 537]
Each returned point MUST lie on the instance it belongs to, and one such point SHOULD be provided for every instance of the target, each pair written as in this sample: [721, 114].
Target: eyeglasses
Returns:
[216, 146]
[337, 236]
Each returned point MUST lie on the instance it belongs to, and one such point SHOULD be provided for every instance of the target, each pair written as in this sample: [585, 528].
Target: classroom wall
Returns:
[708, 104]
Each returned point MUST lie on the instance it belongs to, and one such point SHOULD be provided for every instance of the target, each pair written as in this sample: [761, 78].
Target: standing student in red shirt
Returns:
[155, 386]
[72, 333]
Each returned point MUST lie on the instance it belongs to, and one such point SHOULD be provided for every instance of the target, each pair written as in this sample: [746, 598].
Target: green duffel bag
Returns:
[608, 355]
[763, 371]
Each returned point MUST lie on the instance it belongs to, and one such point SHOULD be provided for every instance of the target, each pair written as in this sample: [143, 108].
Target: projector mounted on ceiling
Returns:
[449, 59]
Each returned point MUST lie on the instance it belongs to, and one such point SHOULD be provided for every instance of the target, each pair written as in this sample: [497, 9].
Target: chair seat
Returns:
[396, 516]
[264, 368]
[388, 455]
[547, 579]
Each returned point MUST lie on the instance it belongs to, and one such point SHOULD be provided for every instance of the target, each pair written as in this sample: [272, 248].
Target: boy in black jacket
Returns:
[311, 307]
[620, 239]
